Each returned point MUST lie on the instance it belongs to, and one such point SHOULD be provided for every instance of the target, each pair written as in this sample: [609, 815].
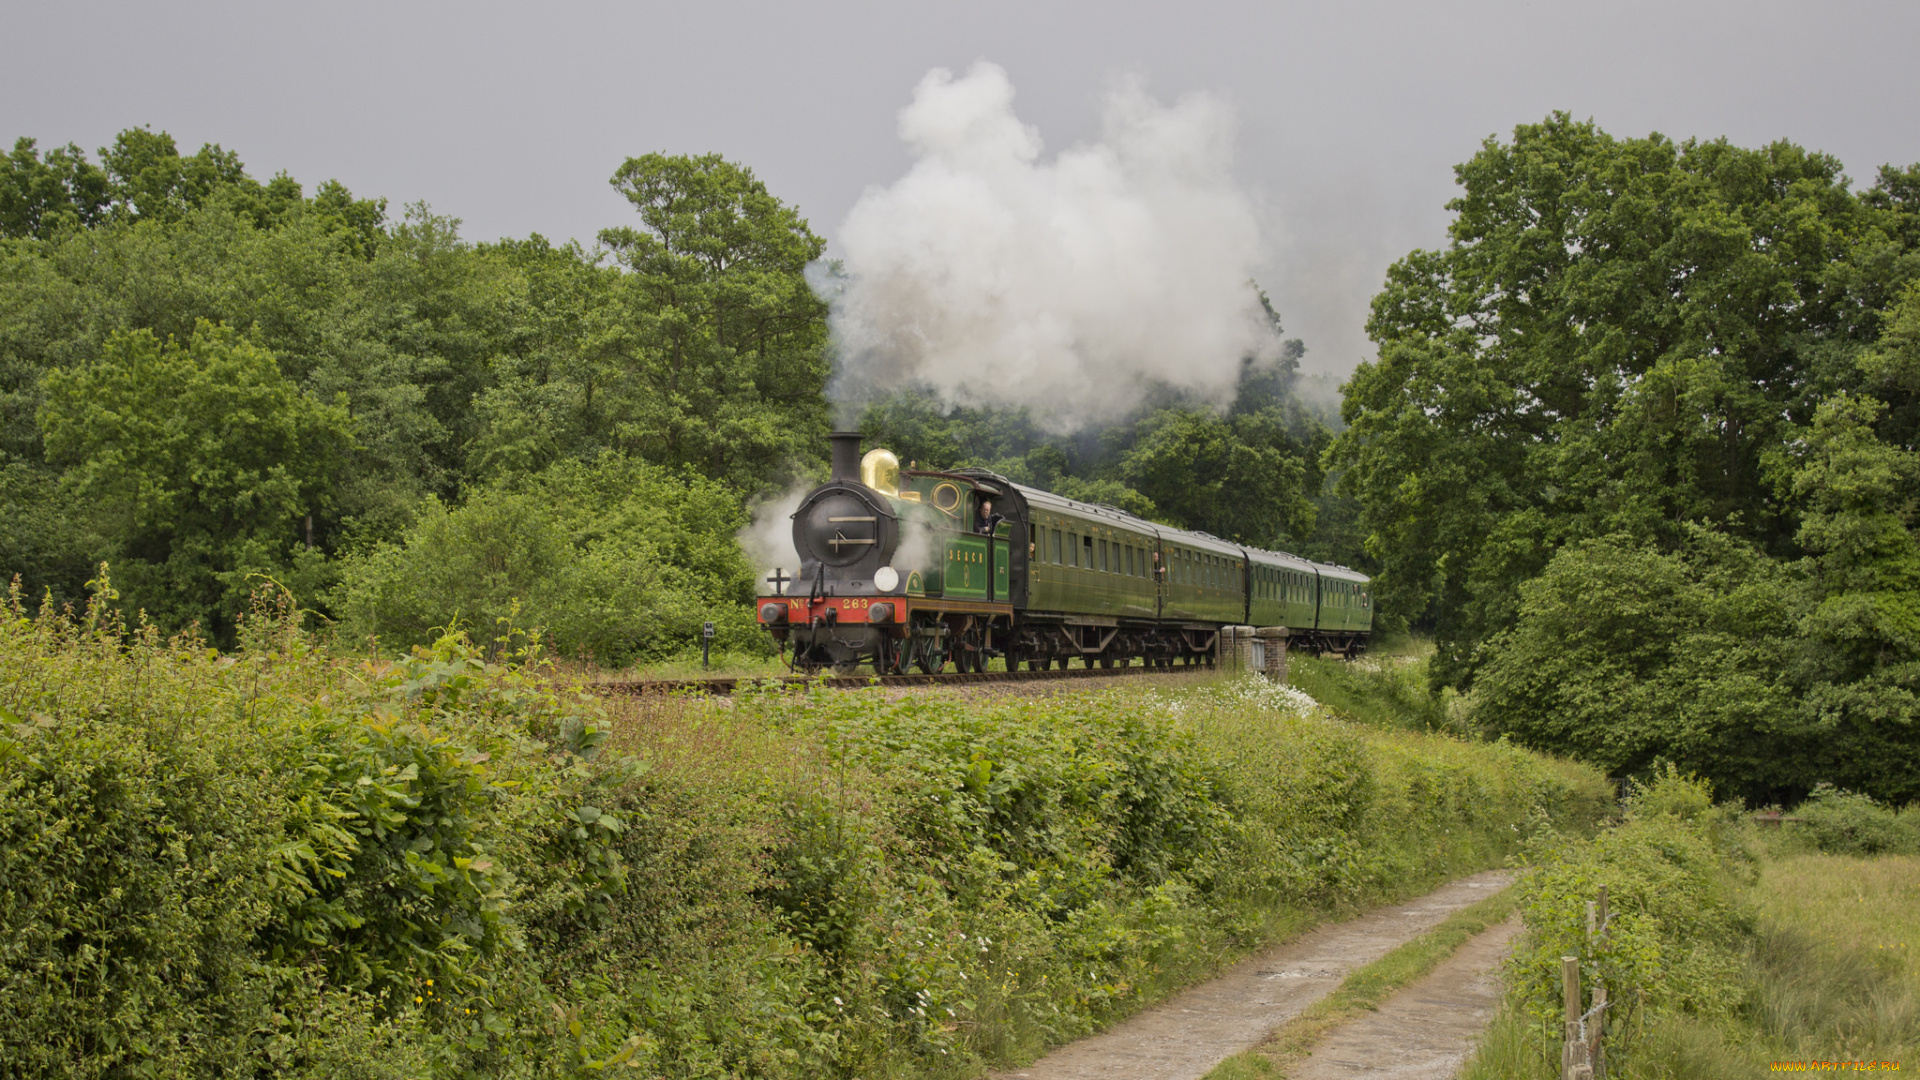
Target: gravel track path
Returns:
[1426, 1030]
[1184, 1037]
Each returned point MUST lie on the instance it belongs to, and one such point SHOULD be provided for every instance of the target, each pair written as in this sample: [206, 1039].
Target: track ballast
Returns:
[728, 684]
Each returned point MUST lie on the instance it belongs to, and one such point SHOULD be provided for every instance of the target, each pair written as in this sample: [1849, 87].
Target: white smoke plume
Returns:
[767, 537]
[1070, 285]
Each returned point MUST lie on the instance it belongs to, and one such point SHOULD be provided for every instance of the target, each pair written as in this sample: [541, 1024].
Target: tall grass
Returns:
[1830, 971]
[1387, 687]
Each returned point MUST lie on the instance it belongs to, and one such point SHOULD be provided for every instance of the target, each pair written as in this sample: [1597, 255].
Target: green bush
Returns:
[1625, 655]
[617, 561]
[1675, 940]
[216, 863]
[281, 861]
[1843, 823]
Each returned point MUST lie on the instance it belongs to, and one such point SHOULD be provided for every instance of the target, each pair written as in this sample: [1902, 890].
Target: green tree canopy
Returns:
[199, 461]
[1618, 337]
[617, 559]
[42, 194]
[723, 340]
[1625, 656]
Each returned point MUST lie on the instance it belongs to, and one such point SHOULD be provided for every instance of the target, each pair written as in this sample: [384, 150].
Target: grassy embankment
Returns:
[1737, 947]
[280, 860]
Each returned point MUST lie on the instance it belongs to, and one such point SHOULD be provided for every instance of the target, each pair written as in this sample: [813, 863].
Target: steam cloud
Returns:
[767, 538]
[1070, 286]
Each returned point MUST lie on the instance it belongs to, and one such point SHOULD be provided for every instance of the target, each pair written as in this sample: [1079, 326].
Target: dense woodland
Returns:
[205, 379]
[1638, 448]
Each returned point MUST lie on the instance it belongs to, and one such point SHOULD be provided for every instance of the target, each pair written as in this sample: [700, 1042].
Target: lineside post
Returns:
[1574, 1064]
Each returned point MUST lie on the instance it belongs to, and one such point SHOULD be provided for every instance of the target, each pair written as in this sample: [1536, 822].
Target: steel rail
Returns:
[728, 684]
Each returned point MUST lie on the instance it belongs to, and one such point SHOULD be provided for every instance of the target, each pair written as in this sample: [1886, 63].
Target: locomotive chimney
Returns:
[846, 455]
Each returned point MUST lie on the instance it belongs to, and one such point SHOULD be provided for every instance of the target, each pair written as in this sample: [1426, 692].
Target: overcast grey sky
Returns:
[1350, 115]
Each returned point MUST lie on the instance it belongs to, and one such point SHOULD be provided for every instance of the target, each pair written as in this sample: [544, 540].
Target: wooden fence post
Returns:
[1598, 937]
[1573, 1049]
[1596, 1048]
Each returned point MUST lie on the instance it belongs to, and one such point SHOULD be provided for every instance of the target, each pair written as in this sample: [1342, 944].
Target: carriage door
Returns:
[1002, 563]
[1161, 572]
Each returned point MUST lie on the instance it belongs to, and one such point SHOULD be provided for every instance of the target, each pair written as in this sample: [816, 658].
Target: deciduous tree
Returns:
[199, 462]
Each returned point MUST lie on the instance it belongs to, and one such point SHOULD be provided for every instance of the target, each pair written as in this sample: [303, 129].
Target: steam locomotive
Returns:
[910, 568]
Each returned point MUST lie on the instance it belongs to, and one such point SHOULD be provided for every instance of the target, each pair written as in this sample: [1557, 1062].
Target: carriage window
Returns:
[1055, 545]
[1073, 548]
[1103, 564]
[1086, 552]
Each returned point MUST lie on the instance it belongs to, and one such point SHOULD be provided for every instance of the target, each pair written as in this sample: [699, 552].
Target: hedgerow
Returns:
[277, 860]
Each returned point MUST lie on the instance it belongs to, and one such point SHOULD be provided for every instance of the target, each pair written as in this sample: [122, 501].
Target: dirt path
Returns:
[1188, 1035]
[1425, 1031]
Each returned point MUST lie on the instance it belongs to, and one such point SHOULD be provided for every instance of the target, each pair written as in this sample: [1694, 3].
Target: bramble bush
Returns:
[282, 860]
[1677, 935]
[216, 863]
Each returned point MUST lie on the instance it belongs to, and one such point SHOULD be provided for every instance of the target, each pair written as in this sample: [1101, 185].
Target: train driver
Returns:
[987, 518]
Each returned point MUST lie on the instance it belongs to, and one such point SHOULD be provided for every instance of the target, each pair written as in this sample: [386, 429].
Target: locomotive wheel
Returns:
[1106, 661]
[929, 656]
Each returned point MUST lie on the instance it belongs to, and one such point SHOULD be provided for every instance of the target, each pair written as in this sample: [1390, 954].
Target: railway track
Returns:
[727, 685]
